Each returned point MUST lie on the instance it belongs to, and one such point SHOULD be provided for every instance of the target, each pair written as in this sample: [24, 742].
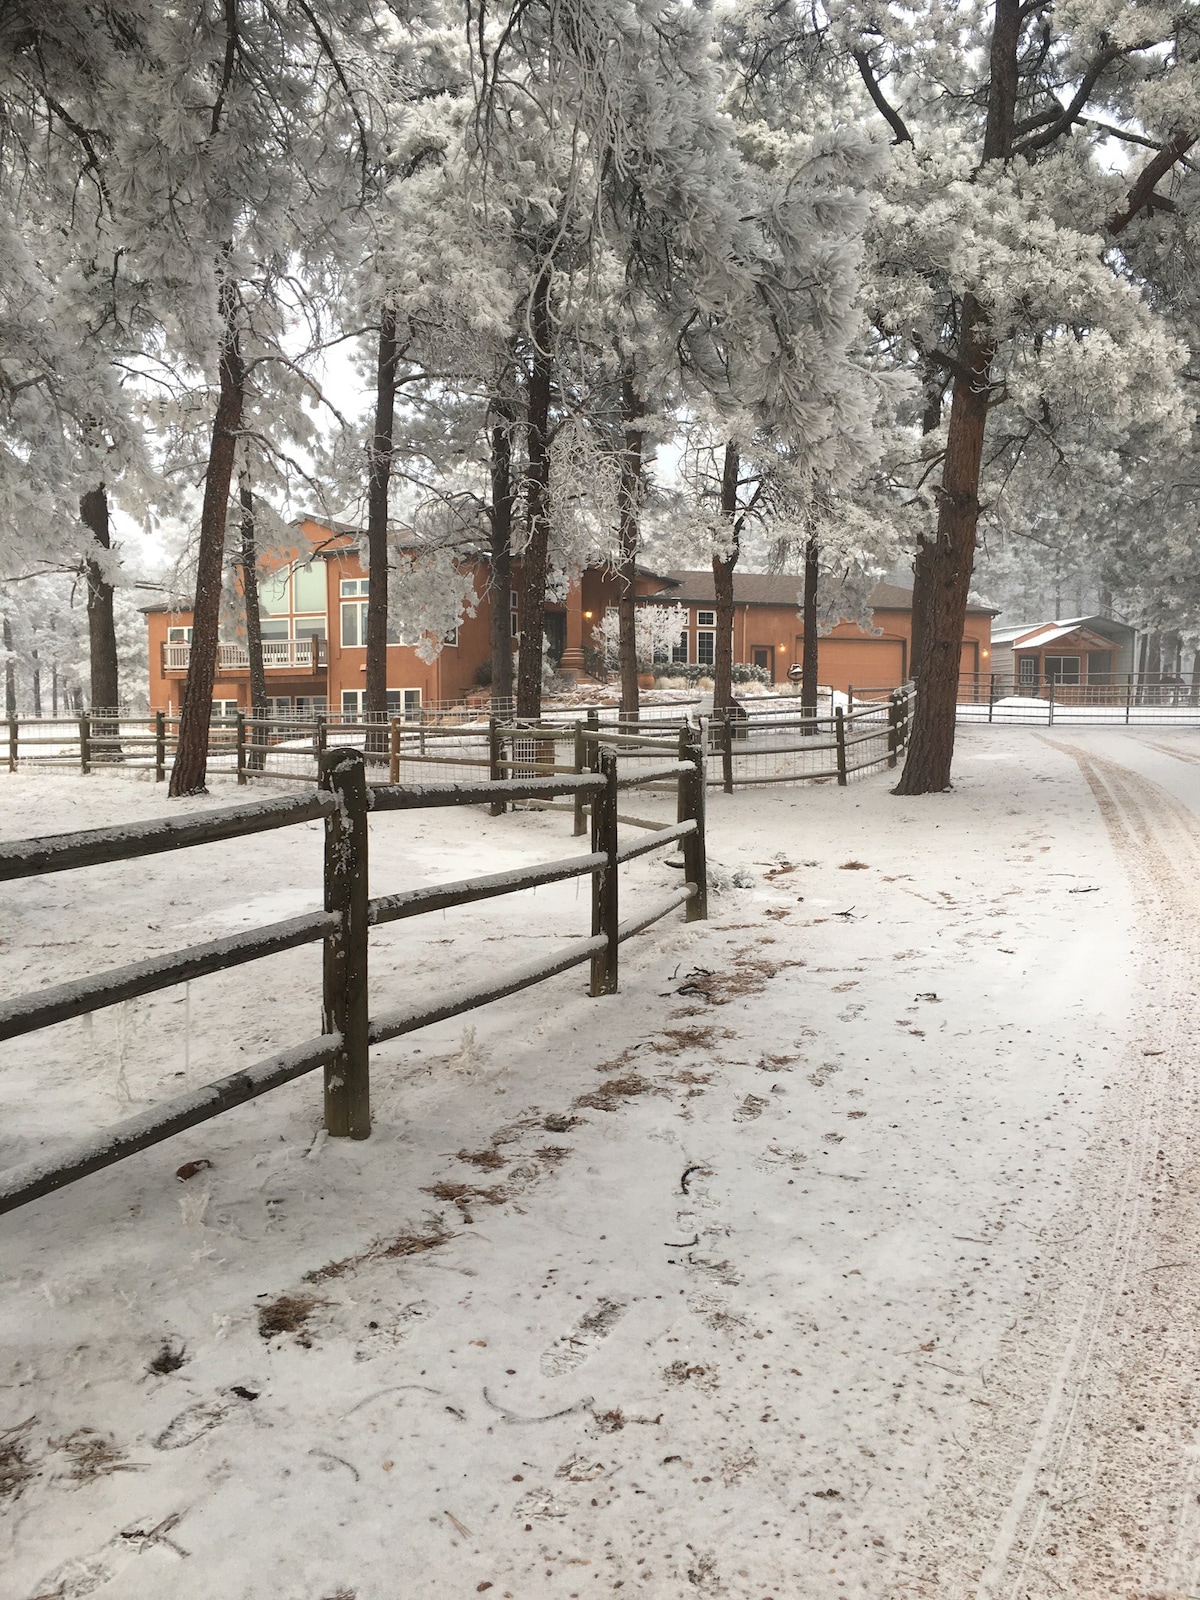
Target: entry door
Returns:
[555, 624]
[763, 655]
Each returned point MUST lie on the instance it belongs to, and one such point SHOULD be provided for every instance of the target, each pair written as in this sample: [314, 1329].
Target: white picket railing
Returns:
[306, 655]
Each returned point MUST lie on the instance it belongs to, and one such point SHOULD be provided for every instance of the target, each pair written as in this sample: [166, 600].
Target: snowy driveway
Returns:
[849, 1251]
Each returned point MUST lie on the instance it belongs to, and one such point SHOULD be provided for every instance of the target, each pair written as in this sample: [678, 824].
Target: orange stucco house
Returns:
[767, 630]
[314, 634]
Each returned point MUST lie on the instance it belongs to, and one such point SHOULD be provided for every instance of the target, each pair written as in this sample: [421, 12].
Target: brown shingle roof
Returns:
[781, 589]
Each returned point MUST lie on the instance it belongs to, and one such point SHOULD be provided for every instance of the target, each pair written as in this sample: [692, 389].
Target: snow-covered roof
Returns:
[1052, 632]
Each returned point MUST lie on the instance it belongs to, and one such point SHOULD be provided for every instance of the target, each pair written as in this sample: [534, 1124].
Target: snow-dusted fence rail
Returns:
[793, 748]
[342, 1049]
[1143, 699]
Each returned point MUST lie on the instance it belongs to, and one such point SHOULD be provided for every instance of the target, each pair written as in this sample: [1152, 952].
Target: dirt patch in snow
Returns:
[403, 1244]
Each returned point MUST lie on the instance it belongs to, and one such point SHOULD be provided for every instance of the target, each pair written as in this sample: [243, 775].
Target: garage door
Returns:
[865, 663]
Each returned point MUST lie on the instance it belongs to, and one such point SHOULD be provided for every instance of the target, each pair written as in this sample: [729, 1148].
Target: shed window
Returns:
[1062, 669]
[1027, 669]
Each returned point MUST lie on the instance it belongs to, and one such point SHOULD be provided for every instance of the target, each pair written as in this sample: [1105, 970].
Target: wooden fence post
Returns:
[495, 770]
[1128, 697]
[348, 1078]
[691, 808]
[394, 751]
[320, 739]
[991, 695]
[160, 746]
[893, 736]
[1050, 700]
[605, 897]
[85, 744]
[239, 723]
[727, 752]
[14, 736]
[839, 728]
[581, 766]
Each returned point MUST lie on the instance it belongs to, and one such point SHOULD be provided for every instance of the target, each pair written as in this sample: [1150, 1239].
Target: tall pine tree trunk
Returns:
[189, 771]
[10, 668]
[808, 665]
[629, 493]
[534, 561]
[722, 566]
[254, 649]
[503, 498]
[952, 554]
[102, 634]
[378, 486]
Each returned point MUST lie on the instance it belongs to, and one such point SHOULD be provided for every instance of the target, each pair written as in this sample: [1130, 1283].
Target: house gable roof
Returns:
[781, 589]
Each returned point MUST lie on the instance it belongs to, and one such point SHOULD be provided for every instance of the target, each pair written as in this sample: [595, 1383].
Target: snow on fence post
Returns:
[605, 900]
[14, 735]
[839, 724]
[394, 751]
[85, 744]
[495, 751]
[690, 808]
[239, 735]
[727, 751]
[160, 747]
[347, 1078]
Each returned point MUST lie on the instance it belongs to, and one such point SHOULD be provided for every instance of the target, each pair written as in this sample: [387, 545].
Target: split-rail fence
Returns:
[345, 802]
[759, 741]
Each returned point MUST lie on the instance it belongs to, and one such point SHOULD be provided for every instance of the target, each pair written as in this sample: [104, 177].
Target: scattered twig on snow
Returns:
[1095, 889]
[379, 1394]
[462, 1528]
[157, 1534]
[1164, 1265]
[687, 1172]
[327, 1455]
[512, 1416]
[683, 1244]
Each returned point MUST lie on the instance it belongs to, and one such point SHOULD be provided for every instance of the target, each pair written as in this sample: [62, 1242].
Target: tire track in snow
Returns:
[1086, 1469]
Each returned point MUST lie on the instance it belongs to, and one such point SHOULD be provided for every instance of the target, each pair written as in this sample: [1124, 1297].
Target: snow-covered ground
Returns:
[849, 1251]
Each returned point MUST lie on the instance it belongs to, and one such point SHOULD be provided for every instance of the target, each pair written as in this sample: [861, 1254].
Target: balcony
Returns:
[279, 655]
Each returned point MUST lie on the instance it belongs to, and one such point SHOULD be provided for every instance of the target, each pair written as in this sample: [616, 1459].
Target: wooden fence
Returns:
[342, 1049]
[760, 741]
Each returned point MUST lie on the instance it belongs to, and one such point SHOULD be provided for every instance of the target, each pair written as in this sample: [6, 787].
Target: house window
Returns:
[311, 705]
[354, 615]
[679, 650]
[706, 619]
[404, 703]
[1062, 669]
[450, 638]
[1027, 670]
[706, 646]
[224, 708]
[308, 587]
[279, 706]
[179, 636]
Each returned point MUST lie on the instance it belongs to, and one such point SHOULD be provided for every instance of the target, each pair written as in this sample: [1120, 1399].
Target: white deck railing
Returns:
[304, 655]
